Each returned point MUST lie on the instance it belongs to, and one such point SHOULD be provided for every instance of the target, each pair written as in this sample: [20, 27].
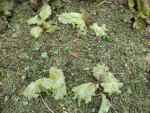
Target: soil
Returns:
[123, 52]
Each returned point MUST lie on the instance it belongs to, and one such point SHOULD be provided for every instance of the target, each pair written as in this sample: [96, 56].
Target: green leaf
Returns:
[84, 92]
[58, 83]
[45, 12]
[57, 77]
[44, 55]
[34, 20]
[131, 3]
[1, 9]
[105, 105]
[32, 91]
[143, 8]
[37, 46]
[55, 84]
[76, 20]
[139, 24]
[111, 84]
[47, 25]
[99, 31]
[36, 31]
[99, 71]
[71, 18]
[59, 93]
[52, 29]
[45, 84]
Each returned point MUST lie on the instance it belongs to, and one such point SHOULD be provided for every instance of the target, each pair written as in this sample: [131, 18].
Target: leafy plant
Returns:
[99, 71]
[84, 92]
[32, 90]
[55, 83]
[81, 22]
[44, 55]
[105, 105]
[42, 24]
[76, 20]
[45, 12]
[111, 84]
[108, 81]
[36, 31]
[141, 10]
[99, 31]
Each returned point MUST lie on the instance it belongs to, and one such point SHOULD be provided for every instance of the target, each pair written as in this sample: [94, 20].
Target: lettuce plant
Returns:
[41, 23]
[111, 84]
[84, 92]
[141, 10]
[99, 71]
[32, 90]
[36, 31]
[105, 105]
[76, 20]
[99, 31]
[108, 81]
[55, 83]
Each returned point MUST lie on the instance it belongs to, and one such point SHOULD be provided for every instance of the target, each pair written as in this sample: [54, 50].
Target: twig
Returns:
[46, 105]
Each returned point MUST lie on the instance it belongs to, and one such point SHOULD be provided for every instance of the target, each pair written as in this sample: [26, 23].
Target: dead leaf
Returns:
[7, 39]
[74, 54]
[1, 84]
[109, 45]
[145, 80]
[55, 58]
[1, 87]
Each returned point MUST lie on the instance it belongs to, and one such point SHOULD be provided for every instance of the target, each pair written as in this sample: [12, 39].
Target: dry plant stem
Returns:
[46, 105]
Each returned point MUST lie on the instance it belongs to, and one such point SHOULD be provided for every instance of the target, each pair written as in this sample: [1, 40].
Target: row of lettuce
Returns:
[84, 92]
[41, 23]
